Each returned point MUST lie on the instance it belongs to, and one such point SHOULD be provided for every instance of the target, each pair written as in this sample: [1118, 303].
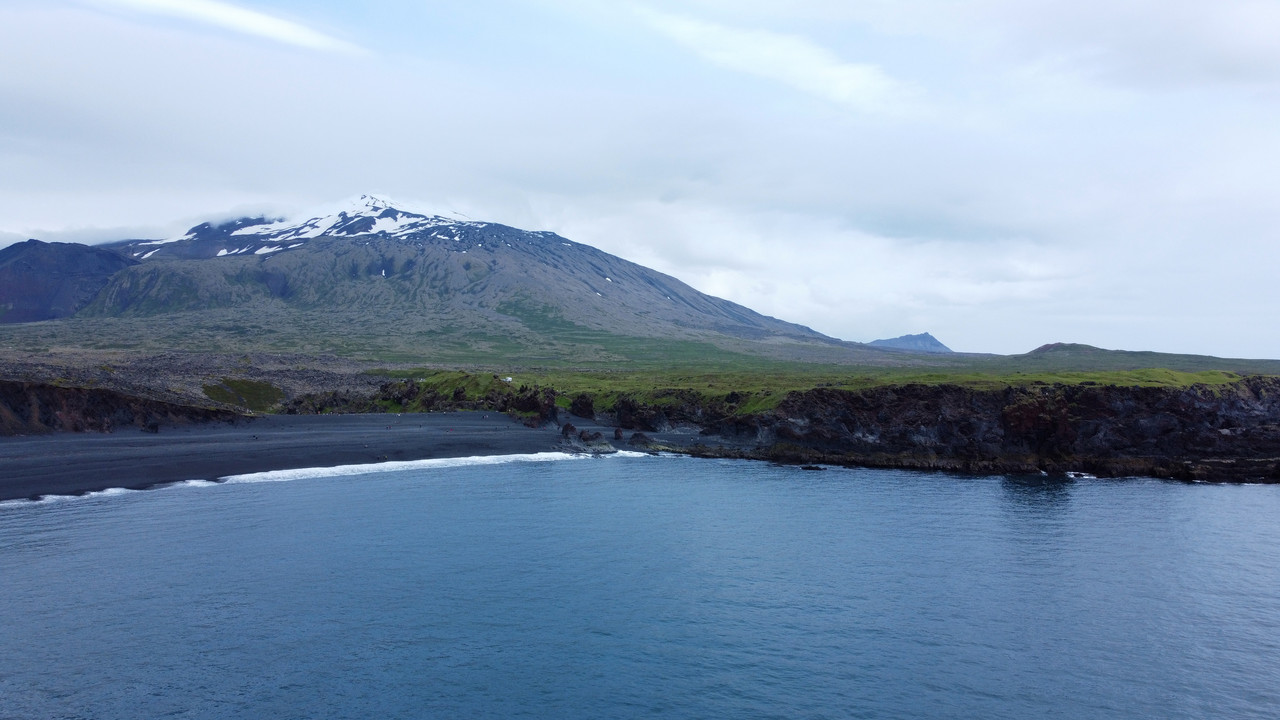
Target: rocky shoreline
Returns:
[1214, 433]
[1219, 433]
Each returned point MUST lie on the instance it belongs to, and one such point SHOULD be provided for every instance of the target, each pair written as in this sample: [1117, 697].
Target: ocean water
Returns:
[628, 587]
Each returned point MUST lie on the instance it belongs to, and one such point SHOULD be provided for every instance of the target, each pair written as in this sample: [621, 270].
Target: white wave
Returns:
[191, 483]
[108, 492]
[20, 502]
[391, 466]
[51, 499]
[41, 500]
[322, 472]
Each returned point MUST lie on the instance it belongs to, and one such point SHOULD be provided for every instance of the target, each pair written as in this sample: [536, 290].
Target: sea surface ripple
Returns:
[644, 586]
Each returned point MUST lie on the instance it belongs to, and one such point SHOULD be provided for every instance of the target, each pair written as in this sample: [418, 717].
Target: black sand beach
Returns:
[75, 463]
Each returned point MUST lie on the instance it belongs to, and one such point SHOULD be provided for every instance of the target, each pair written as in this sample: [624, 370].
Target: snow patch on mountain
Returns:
[365, 215]
[363, 218]
[188, 236]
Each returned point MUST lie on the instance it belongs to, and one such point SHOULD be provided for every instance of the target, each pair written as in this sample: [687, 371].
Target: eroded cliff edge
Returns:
[28, 408]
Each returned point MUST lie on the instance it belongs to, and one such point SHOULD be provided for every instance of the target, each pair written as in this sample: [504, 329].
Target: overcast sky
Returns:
[1001, 173]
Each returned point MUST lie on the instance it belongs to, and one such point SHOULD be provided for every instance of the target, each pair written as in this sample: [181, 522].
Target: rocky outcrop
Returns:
[670, 408]
[31, 408]
[583, 406]
[535, 405]
[586, 441]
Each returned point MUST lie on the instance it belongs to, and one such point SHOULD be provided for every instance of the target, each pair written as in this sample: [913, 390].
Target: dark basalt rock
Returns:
[583, 406]
[33, 408]
[1226, 432]
[585, 441]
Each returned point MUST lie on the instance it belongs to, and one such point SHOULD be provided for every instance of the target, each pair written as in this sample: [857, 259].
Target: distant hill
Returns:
[923, 342]
[43, 281]
[1076, 357]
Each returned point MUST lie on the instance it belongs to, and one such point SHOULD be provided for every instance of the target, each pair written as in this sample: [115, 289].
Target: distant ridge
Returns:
[922, 342]
[44, 281]
[1061, 347]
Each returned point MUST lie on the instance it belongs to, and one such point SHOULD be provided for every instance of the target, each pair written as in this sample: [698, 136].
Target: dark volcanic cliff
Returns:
[1226, 432]
[30, 408]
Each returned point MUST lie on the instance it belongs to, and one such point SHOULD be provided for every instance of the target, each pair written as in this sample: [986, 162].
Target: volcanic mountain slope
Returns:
[376, 279]
[41, 281]
[376, 257]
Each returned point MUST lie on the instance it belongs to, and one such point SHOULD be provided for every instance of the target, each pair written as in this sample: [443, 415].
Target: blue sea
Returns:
[643, 587]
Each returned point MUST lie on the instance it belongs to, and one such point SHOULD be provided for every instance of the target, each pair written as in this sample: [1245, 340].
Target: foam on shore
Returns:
[50, 499]
[325, 472]
[394, 465]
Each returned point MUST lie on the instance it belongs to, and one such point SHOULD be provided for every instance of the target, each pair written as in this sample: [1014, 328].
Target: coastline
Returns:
[68, 463]
[63, 463]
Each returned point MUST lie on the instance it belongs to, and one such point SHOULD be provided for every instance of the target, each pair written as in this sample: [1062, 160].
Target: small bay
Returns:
[644, 586]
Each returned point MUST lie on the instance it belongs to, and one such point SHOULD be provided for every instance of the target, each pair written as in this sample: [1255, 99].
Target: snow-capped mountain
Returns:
[373, 267]
[365, 215]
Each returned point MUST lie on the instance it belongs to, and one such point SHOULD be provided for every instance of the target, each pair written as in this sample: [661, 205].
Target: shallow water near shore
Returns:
[656, 586]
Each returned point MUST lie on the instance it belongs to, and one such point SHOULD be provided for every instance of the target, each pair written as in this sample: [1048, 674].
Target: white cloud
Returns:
[1140, 43]
[237, 19]
[840, 281]
[1085, 183]
[789, 59]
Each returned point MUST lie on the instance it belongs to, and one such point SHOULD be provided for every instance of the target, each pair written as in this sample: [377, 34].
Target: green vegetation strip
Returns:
[252, 394]
[757, 391]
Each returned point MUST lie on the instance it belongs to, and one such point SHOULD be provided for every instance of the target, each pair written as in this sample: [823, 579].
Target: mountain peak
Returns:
[923, 342]
[363, 215]
[375, 205]
[374, 202]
